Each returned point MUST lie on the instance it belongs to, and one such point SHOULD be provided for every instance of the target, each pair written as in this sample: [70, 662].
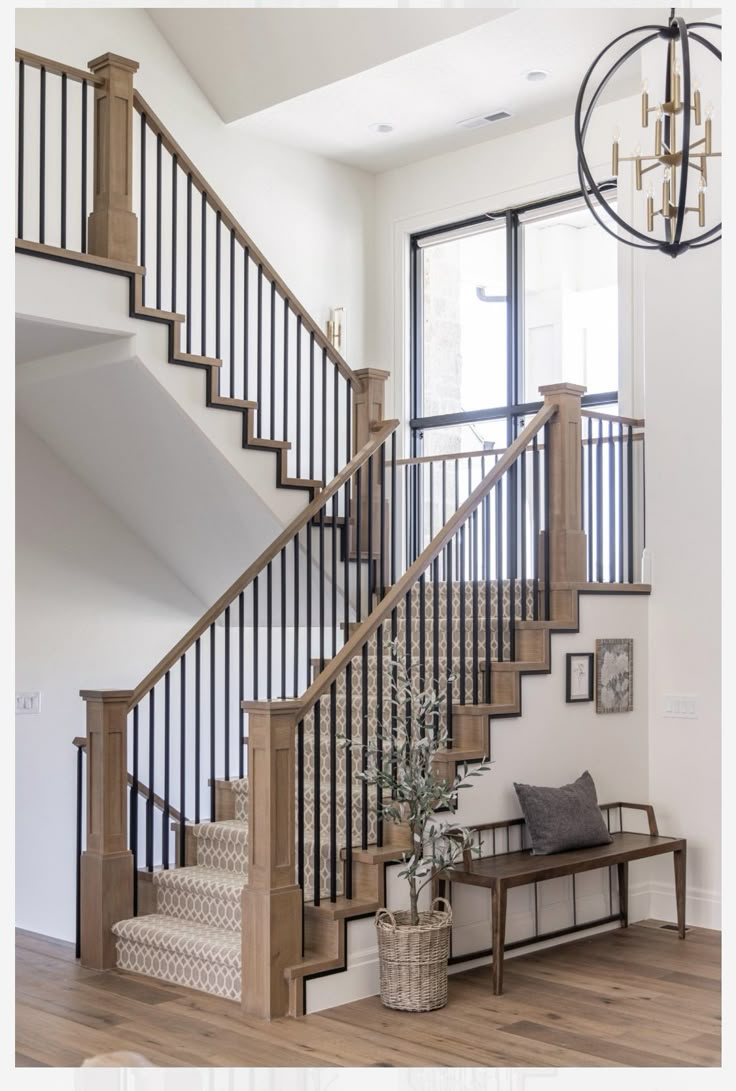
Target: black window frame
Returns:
[515, 410]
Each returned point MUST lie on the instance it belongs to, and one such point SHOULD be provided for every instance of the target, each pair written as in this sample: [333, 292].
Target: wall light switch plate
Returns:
[682, 707]
[27, 704]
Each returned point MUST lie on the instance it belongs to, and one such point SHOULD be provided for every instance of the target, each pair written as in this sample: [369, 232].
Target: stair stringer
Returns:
[332, 960]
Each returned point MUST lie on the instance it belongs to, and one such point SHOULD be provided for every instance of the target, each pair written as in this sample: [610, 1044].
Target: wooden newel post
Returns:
[106, 875]
[369, 413]
[271, 901]
[567, 541]
[113, 226]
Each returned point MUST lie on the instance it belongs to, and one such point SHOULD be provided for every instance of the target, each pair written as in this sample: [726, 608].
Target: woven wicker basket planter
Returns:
[413, 958]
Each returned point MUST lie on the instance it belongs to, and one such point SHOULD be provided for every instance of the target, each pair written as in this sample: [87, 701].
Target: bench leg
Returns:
[680, 889]
[498, 924]
[623, 893]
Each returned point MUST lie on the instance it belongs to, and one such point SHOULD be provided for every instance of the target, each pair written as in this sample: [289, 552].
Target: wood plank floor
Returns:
[637, 997]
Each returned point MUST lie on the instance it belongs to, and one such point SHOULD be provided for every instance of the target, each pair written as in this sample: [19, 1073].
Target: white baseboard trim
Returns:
[646, 901]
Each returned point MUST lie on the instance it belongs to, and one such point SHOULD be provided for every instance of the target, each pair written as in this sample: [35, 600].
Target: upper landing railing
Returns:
[99, 174]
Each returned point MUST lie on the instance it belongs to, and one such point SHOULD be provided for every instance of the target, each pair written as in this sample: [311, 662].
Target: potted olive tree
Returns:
[413, 944]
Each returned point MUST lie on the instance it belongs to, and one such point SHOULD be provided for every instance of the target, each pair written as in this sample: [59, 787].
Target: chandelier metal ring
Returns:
[679, 99]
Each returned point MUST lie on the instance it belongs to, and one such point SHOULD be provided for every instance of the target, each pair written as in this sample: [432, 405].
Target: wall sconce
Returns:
[336, 329]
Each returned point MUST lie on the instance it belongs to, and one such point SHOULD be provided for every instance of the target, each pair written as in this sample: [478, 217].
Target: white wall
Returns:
[311, 217]
[551, 743]
[94, 609]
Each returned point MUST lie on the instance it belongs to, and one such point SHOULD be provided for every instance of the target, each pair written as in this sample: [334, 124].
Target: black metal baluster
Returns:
[408, 514]
[333, 647]
[333, 792]
[133, 810]
[345, 539]
[256, 635]
[285, 393]
[218, 288]
[183, 760]
[246, 320]
[269, 630]
[536, 525]
[317, 847]
[259, 353]
[159, 144]
[620, 461]
[369, 520]
[311, 407]
[611, 506]
[231, 391]
[364, 750]
[348, 421]
[547, 471]
[282, 572]
[358, 543]
[297, 608]
[394, 677]
[78, 861]
[308, 570]
[449, 666]
[430, 469]
[143, 208]
[151, 776]
[590, 500]
[630, 500]
[84, 168]
[498, 493]
[241, 684]
[42, 161]
[336, 421]
[299, 410]
[203, 286]
[272, 368]
[436, 624]
[422, 629]
[349, 781]
[174, 227]
[511, 488]
[523, 536]
[599, 503]
[462, 607]
[166, 813]
[189, 263]
[324, 416]
[322, 590]
[21, 166]
[197, 728]
[226, 695]
[213, 813]
[63, 160]
[408, 632]
[487, 585]
[474, 575]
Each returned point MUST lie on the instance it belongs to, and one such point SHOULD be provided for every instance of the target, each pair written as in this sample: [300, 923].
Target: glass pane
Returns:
[464, 335]
[479, 436]
[570, 303]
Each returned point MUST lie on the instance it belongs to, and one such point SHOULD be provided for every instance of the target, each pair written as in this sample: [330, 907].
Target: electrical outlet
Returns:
[27, 704]
[682, 707]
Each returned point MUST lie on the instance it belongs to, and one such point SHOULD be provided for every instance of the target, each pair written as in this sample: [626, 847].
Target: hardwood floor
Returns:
[637, 997]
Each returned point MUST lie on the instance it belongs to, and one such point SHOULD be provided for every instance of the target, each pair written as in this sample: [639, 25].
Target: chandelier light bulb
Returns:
[702, 184]
[644, 86]
[667, 174]
[616, 134]
[650, 189]
[709, 111]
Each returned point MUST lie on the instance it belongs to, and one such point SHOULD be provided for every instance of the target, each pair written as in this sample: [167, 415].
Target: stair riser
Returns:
[179, 969]
[223, 854]
[215, 910]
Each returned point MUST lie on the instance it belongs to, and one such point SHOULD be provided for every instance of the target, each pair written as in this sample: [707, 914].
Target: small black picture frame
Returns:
[579, 677]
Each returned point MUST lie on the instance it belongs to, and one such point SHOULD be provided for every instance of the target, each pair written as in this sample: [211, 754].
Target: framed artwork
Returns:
[614, 675]
[579, 677]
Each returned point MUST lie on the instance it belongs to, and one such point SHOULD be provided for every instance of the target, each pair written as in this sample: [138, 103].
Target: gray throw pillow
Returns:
[563, 818]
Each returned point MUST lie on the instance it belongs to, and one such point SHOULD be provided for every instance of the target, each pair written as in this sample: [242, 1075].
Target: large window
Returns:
[503, 304]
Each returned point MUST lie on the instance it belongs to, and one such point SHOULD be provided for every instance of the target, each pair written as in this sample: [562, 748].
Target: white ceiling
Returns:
[246, 60]
[319, 78]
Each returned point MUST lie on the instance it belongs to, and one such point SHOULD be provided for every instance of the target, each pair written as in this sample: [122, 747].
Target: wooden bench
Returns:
[505, 870]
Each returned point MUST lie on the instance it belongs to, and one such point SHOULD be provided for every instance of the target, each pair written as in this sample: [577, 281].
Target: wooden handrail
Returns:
[612, 417]
[396, 593]
[34, 61]
[260, 563]
[143, 790]
[228, 219]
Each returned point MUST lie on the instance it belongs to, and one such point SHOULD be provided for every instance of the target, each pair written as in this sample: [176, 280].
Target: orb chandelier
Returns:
[677, 147]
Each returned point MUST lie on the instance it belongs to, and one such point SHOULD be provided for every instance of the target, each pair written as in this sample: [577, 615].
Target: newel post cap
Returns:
[112, 60]
[561, 388]
[107, 696]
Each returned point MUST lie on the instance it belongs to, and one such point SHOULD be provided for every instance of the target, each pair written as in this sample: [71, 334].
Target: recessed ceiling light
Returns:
[381, 127]
[536, 75]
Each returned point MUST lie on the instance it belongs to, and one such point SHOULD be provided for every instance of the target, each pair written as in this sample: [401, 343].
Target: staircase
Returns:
[228, 840]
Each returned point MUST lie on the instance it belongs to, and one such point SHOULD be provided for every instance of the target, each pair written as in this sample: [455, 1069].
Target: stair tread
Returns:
[342, 907]
[182, 936]
[313, 962]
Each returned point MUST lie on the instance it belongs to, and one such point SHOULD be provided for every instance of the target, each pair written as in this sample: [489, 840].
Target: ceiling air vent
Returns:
[483, 119]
